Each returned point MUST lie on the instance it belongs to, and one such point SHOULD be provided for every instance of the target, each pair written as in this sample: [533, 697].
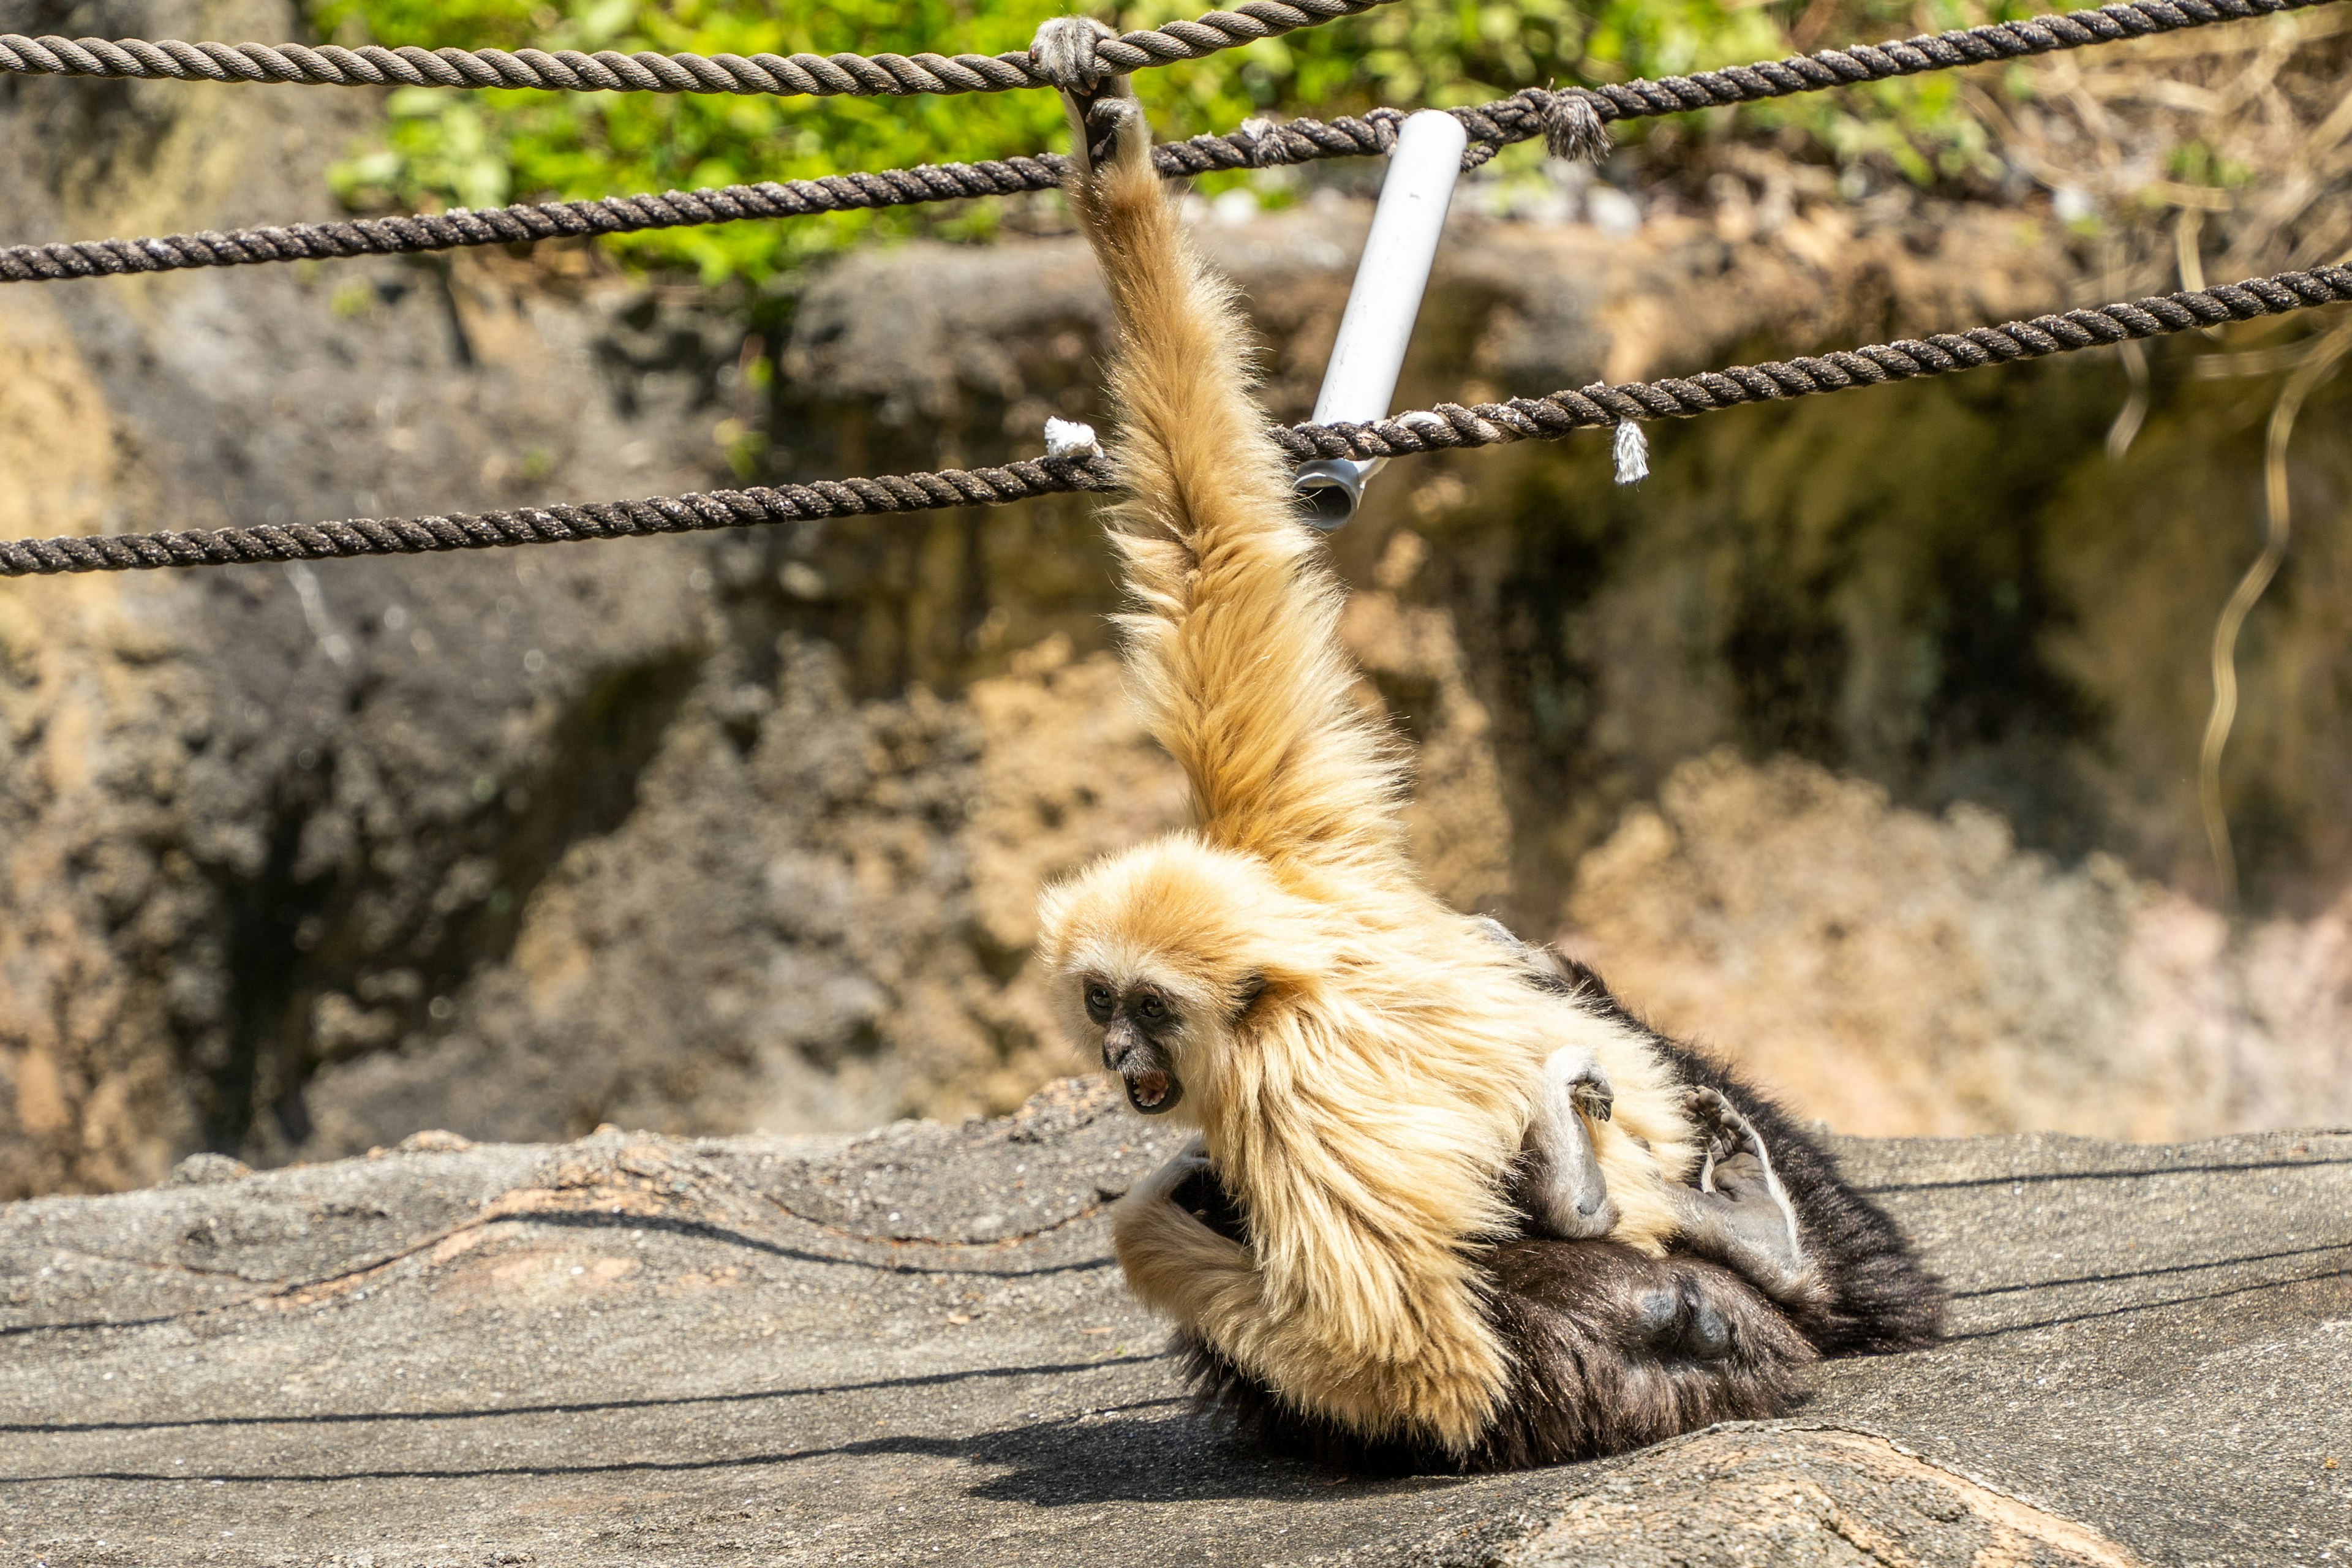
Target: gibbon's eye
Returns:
[1151, 1006]
[1099, 1003]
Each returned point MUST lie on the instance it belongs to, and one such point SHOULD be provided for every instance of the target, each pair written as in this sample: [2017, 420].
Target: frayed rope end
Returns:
[1633, 450]
[1572, 127]
[1068, 438]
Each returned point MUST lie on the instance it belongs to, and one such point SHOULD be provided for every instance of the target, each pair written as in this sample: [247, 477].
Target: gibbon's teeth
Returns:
[1153, 1092]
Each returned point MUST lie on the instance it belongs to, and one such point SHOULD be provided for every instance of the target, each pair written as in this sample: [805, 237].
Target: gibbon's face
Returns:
[1140, 1024]
[1157, 955]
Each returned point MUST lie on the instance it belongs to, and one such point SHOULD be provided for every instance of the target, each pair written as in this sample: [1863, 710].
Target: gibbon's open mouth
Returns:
[1152, 1091]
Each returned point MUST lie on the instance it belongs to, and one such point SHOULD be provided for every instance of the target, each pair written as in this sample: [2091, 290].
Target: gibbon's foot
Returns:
[1676, 1319]
[1560, 1186]
[1740, 1213]
[1105, 119]
[1118, 135]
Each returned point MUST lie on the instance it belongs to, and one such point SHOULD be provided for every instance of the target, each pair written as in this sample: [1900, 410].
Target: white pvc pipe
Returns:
[1390, 281]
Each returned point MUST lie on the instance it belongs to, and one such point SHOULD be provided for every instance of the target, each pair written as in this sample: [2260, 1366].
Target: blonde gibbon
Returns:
[1450, 1205]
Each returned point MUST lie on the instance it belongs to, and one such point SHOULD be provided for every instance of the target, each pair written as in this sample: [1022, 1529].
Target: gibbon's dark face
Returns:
[1139, 1027]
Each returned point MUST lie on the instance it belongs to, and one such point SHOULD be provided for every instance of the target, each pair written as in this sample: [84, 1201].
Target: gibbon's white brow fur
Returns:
[1360, 1060]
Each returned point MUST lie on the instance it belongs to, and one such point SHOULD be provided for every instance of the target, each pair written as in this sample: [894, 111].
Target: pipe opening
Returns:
[1329, 492]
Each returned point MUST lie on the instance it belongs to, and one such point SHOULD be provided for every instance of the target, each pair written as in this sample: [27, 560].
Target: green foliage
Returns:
[442, 149]
[2197, 163]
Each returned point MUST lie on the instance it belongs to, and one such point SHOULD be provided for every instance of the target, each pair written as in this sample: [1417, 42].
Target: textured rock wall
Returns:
[1887, 968]
[743, 832]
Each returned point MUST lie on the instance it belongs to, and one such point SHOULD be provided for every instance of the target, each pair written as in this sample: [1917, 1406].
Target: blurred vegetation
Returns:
[443, 149]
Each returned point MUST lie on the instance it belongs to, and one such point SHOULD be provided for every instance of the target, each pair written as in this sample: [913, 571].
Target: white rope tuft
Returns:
[1068, 438]
[1633, 450]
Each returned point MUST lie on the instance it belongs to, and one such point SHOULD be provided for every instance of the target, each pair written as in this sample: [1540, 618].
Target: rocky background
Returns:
[1859, 743]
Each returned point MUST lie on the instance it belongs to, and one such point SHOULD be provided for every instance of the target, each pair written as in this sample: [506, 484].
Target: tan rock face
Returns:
[95, 708]
[1896, 972]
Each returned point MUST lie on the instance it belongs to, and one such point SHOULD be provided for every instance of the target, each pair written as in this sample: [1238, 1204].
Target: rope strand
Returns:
[898, 76]
[1926, 52]
[1448, 426]
[1491, 127]
[608, 70]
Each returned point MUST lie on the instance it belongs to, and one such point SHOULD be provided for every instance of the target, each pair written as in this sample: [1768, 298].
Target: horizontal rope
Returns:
[1569, 119]
[1906, 359]
[803, 75]
[1445, 426]
[1491, 127]
[608, 70]
[1926, 52]
[519, 223]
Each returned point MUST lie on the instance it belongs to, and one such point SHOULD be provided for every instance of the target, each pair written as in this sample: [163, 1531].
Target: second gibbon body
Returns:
[1610, 1349]
[1435, 1203]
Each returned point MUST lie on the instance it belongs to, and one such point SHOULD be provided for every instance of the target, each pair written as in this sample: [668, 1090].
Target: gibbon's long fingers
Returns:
[1741, 1213]
[1234, 643]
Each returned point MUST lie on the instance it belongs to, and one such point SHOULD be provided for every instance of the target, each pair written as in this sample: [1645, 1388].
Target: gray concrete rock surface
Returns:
[912, 1348]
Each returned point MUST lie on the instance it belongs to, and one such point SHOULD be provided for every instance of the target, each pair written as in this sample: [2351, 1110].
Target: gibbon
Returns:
[1450, 1205]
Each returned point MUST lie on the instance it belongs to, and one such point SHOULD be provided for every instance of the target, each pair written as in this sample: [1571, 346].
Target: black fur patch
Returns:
[1204, 1198]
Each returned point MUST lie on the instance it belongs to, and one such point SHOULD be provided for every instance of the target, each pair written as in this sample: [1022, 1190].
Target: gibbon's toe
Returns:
[1593, 1096]
[1576, 1072]
[1719, 1121]
[1708, 1338]
[1676, 1320]
[1560, 1187]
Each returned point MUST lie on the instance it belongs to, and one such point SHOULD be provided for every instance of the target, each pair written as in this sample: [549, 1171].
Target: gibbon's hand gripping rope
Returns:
[608, 70]
[1447, 426]
[1570, 121]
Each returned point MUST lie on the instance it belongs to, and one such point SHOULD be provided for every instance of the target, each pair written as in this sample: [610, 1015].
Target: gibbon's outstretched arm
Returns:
[1233, 645]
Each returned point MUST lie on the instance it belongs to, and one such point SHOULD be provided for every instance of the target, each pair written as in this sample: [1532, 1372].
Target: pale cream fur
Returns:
[1365, 1106]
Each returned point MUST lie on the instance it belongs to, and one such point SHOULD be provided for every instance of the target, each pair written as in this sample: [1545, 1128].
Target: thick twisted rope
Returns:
[1570, 121]
[1907, 359]
[514, 225]
[874, 76]
[1926, 52]
[1447, 426]
[1492, 126]
[608, 70]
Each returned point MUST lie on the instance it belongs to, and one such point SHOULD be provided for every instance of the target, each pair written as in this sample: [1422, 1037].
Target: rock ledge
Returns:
[912, 1348]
